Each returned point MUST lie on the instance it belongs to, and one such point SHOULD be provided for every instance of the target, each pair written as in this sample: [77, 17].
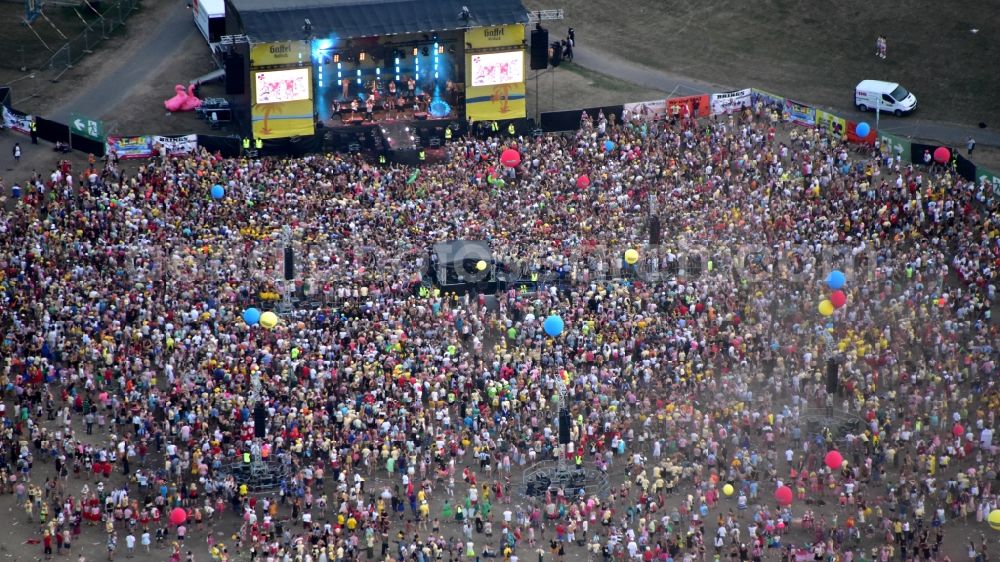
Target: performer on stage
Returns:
[345, 88]
[389, 107]
[411, 86]
[370, 108]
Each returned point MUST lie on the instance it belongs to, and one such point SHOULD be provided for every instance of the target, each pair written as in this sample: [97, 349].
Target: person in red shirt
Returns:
[47, 543]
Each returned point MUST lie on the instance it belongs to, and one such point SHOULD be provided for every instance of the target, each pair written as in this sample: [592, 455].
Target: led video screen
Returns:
[279, 86]
[497, 68]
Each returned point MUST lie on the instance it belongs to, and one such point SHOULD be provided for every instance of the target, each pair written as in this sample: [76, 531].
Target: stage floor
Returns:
[351, 119]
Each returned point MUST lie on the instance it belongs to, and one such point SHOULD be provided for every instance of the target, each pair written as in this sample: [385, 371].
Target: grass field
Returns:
[813, 51]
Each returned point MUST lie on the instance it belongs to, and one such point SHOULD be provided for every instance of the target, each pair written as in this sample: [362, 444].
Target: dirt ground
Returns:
[33, 91]
[569, 86]
[813, 52]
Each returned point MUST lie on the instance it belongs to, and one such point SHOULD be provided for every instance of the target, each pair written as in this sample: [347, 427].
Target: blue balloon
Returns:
[862, 129]
[609, 145]
[836, 279]
[251, 316]
[218, 192]
[553, 325]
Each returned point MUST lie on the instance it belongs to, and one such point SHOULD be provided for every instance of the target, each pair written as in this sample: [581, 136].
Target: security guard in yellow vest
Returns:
[422, 155]
[258, 144]
[34, 132]
[494, 126]
[246, 144]
[579, 460]
[381, 158]
[424, 293]
[511, 130]
[447, 134]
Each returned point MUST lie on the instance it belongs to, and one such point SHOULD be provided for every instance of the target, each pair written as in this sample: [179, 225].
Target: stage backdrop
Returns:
[495, 69]
[281, 89]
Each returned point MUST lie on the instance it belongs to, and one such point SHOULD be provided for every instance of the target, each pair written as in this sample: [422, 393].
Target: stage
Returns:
[344, 67]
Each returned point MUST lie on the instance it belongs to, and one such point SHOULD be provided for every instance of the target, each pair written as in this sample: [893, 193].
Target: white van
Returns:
[887, 97]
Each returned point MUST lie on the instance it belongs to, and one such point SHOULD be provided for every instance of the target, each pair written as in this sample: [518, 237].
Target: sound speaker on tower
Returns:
[235, 74]
[654, 231]
[564, 426]
[539, 48]
[832, 379]
[289, 264]
[259, 421]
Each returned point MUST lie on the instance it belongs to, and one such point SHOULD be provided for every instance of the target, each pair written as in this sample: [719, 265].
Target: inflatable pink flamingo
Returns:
[192, 102]
[176, 103]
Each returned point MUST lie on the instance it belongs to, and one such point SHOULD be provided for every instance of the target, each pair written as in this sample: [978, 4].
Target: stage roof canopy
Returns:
[265, 21]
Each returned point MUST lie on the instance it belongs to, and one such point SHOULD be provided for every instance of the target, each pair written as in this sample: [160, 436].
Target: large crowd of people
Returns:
[402, 419]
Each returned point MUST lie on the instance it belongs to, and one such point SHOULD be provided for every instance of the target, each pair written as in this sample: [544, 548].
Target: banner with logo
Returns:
[178, 145]
[279, 53]
[147, 146]
[648, 110]
[696, 106]
[767, 98]
[498, 36]
[16, 121]
[130, 147]
[730, 102]
[835, 125]
[800, 114]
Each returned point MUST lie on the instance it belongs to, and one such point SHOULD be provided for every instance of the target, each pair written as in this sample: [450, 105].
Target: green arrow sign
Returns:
[86, 127]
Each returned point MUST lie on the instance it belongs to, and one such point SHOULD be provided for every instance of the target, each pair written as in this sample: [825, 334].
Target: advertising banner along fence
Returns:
[696, 106]
[836, 125]
[648, 110]
[17, 121]
[148, 145]
[767, 99]
[730, 102]
[800, 114]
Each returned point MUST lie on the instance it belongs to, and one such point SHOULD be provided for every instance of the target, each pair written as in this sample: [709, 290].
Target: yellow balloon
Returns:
[481, 265]
[994, 519]
[269, 320]
[826, 307]
[631, 256]
[728, 489]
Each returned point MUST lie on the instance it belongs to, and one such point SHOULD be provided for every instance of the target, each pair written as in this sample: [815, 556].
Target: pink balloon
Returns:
[510, 158]
[942, 155]
[784, 496]
[178, 516]
[583, 182]
[833, 460]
